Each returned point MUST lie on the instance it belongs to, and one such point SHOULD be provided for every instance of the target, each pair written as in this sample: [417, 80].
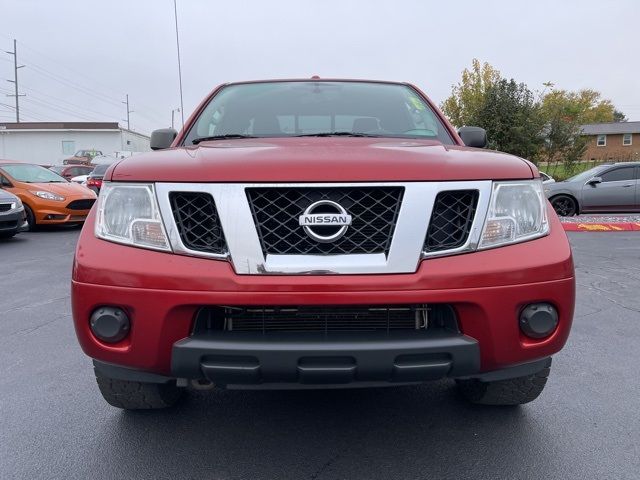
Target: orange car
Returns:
[47, 197]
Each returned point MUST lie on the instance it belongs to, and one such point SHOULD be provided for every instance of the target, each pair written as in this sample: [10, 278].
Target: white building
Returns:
[51, 142]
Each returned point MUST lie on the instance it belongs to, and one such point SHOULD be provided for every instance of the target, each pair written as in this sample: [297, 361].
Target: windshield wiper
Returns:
[338, 134]
[196, 141]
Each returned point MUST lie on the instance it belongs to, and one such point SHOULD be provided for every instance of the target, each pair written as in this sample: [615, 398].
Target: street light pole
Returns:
[15, 79]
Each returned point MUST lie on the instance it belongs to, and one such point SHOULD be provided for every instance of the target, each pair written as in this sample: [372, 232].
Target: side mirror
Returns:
[473, 136]
[594, 181]
[162, 138]
[4, 183]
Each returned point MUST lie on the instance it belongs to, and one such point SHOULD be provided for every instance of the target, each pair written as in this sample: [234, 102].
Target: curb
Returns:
[602, 227]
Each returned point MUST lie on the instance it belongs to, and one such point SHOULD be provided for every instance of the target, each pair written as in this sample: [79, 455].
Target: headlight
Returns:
[128, 213]
[17, 205]
[517, 212]
[48, 196]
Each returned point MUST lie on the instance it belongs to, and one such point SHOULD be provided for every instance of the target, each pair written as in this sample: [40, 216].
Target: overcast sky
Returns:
[82, 57]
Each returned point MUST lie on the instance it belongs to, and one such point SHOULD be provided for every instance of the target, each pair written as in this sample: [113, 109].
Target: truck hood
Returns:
[319, 159]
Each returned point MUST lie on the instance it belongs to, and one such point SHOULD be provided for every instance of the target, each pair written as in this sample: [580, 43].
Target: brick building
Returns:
[619, 141]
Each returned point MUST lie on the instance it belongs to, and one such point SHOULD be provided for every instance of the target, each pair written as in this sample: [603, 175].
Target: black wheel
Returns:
[130, 395]
[564, 205]
[31, 218]
[514, 391]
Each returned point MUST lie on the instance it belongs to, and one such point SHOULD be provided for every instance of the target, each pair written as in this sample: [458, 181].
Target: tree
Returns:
[564, 113]
[511, 116]
[584, 106]
[467, 97]
[618, 116]
[507, 110]
[540, 126]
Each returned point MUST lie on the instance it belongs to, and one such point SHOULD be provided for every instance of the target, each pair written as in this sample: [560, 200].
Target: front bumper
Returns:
[55, 213]
[162, 292]
[245, 359]
[13, 221]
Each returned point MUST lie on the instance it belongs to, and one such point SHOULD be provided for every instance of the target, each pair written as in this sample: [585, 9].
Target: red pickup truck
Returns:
[320, 234]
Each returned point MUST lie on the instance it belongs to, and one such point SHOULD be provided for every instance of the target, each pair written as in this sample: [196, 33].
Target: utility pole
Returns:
[15, 79]
[128, 111]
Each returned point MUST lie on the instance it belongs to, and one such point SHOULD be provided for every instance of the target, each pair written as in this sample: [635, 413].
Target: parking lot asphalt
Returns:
[54, 424]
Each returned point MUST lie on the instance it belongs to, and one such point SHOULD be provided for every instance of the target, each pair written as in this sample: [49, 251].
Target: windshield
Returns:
[32, 174]
[288, 109]
[586, 175]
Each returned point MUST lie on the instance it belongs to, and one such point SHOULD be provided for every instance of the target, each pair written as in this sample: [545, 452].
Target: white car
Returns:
[81, 179]
[547, 178]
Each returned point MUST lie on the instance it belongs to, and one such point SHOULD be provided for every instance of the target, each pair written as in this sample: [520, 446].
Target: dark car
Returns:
[70, 171]
[94, 180]
[12, 215]
[613, 187]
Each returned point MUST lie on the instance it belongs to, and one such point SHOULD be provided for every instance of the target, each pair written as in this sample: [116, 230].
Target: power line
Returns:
[59, 109]
[37, 94]
[86, 91]
[92, 92]
[33, 115]
[68, 83]
[93, 81]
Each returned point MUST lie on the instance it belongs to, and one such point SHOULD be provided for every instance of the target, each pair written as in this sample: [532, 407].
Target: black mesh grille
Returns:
[451, 220]
[9, 224]
[5, 207]
[374, 211]
[303, 318]
[81, 204]
[198, 223]
[325, 318]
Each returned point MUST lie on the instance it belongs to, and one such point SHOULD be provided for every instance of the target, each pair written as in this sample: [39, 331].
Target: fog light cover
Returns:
[538, 320]
[110, 324]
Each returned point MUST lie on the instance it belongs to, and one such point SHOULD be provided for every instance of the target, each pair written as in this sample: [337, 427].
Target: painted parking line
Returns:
[601, 227]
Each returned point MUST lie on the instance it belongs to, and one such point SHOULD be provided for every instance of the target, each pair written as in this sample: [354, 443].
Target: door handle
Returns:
[628, 185]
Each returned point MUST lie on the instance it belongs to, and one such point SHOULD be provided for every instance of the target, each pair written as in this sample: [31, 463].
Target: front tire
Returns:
[514, 391]
[31, 218]
[130, 395]
[564, 205]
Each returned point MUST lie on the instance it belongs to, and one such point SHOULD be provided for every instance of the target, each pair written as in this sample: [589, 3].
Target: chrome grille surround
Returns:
[245, 250]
